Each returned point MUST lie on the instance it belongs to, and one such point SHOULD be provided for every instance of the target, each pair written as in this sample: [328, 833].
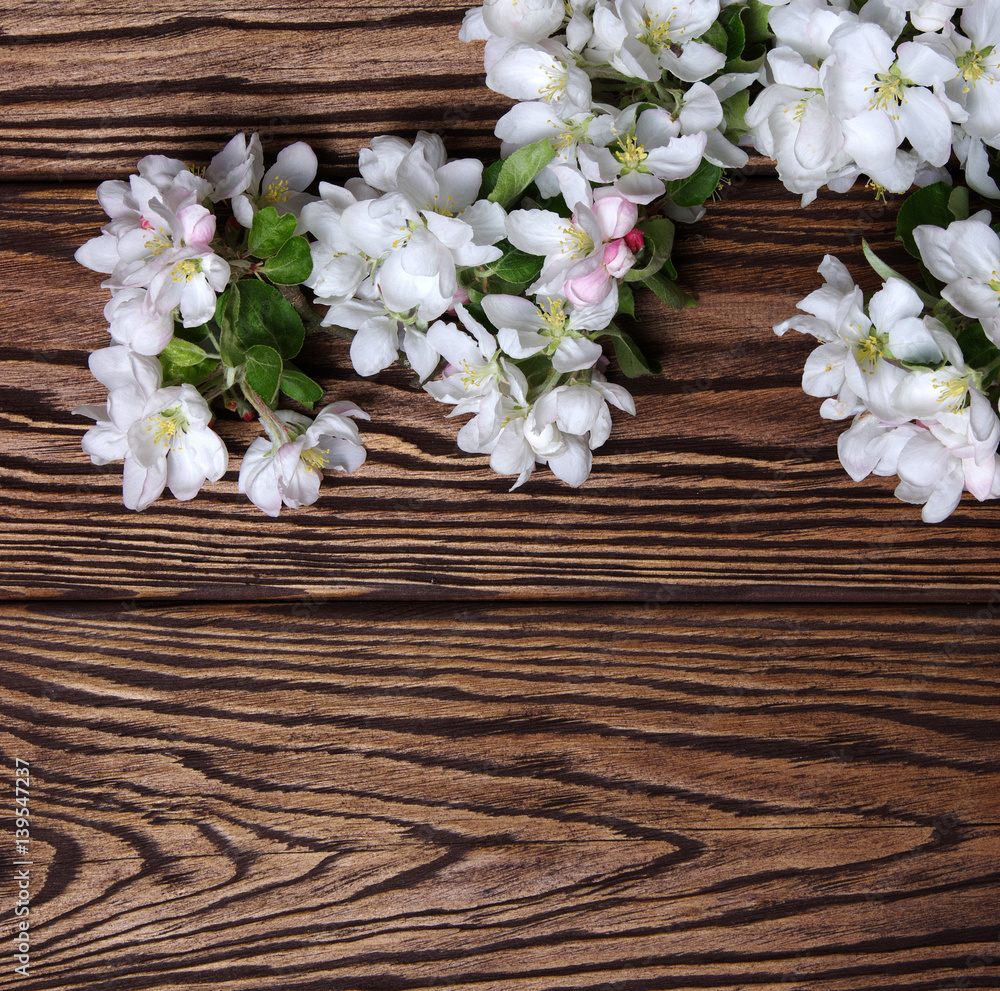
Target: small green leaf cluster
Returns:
[245, 353]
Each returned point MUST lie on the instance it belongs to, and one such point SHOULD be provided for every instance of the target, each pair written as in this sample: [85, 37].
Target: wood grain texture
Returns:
[384, 797]
[724, 485]
[90, 89]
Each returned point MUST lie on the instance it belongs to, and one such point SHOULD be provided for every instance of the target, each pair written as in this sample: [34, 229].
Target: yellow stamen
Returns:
[315, 457]
[277, 190]
[186, 270]
[631, 155]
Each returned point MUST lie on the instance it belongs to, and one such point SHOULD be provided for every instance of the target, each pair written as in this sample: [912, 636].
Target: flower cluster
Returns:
[888, 89]
[495, 286]
[196, 316]
[918, 371]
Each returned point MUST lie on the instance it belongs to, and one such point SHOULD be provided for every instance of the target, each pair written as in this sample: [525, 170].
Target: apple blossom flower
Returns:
[966, 256]
[281, 186]
[287, 466]
[162, 433]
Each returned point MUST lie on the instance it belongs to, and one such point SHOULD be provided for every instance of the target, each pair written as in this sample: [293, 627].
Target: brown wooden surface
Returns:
[415, 794]
[441, 796]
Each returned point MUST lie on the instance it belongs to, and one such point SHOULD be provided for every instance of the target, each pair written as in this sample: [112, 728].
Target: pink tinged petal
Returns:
[591, 288]
[617, 258]
[981, 479]
[573, 466]
[615, 214]
[197, 225]
[142, 486]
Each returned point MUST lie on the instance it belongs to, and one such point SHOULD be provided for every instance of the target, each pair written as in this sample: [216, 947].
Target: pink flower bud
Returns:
[461, 298]
[635, 240]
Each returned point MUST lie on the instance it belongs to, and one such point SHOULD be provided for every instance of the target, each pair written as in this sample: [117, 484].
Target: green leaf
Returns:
[754, 16]
[181, 353]
[718, 37]
[518, 170]
[669, 292]
[269, 232]
[174, 374]
[298, 386]
[263, 371]
[926, 206]
[732, 23]
[978, 350]
[626, 300]
[734, 113]
[227, 311]
[195, 335]
[631, 360]
[496, 284]
[292, 265]
[696, 188]
[266, 317]
[517, 265]
[886, 272]
[958, 203]
[659, 240]
[489, 180]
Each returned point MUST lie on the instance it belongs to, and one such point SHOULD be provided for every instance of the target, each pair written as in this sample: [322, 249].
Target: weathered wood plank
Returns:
[88, 90]
[725, 484]
[391, 797]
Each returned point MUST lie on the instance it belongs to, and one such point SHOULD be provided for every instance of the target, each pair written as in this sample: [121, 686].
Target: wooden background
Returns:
[720, 718]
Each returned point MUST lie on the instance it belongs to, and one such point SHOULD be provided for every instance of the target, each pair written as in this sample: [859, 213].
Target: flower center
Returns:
[889, 89]
[553, 319]
[631, 154]
[655, 34]
[971, 66]
[314, 457]
[186, 270]
[277, 190]
[168, 423]
[954, 389]
[555, 83]
[576, 241]
[869, 350]
[158, 242]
